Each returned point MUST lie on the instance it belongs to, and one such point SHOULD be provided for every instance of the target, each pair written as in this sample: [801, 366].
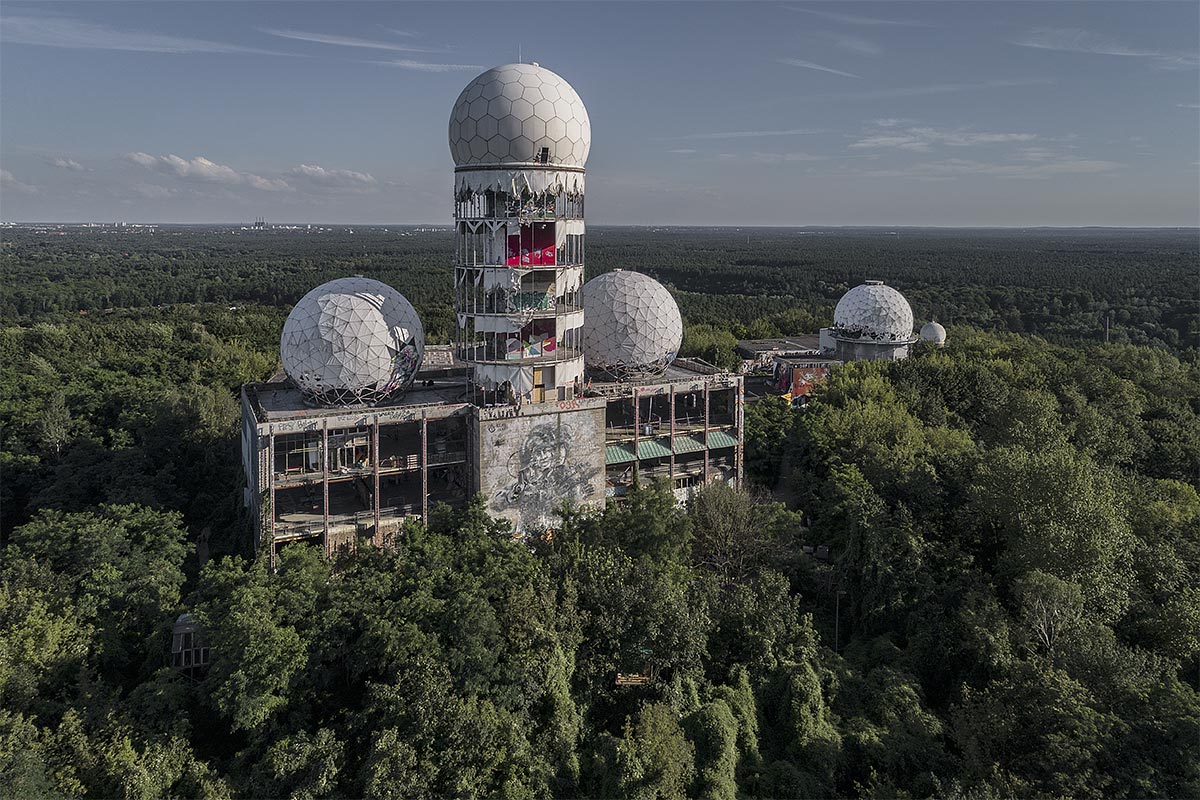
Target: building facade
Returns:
[509, 412]
[340, 477]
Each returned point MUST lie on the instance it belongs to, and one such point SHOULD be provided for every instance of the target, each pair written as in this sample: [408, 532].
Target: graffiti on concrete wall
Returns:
[541, 477]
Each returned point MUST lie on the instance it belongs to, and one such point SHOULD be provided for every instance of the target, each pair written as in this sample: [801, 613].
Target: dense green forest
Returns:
[1058, 284]
[1010, 605]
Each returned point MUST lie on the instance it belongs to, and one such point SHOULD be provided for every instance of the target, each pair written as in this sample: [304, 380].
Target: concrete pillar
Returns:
[375, 463]
[424, 468]
[325, 482]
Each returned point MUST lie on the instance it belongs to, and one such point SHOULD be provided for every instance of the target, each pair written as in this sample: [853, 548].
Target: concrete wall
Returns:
[868, 350]
[529, 463]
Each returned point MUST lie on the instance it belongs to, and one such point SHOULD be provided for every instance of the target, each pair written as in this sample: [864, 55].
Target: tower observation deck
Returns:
[520, 136]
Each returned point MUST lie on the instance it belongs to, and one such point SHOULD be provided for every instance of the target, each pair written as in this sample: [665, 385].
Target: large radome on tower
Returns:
[519, 114]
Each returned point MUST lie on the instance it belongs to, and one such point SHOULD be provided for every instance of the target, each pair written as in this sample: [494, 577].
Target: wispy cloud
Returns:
[424, 66]
[345, 41]
[795, 62]
[750, 134]
[922, 140]
[77, 34]
[919, 91]
[855, 19]
[1187, 105]
[1077, 40]
[9, 182]
[67, 163]
[399, 32]
[202, 170]
[333, 178]
[684, 151]
[153, 191]
[859, 45]
[1039, 169]
[780, 158]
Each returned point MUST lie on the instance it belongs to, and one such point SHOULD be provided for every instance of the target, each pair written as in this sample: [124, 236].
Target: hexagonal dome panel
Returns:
[352, 341]
[631, 325]
[875, 311]
[511, 95]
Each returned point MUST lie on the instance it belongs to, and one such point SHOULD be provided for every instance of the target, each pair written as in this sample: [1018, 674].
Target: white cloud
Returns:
[1077, 40]
[67, 163]
[77, 34]
[202, 170]
[333, 178]
[796, 62]
[955, 167]
[1036, 154]
[8, 181]
[922, 140]
[751, 134]
[1187, 105]
[153, 191]
[684, 151]
[425, 66]
[344, 41]
[855, 19]
[920, 91]
[266, 184]
[783, 158]
[858, 45]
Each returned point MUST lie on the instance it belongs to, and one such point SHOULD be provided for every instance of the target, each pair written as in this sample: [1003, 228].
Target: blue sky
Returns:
[966, 113]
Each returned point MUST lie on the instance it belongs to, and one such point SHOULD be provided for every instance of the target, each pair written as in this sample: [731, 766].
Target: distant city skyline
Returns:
[741, 114]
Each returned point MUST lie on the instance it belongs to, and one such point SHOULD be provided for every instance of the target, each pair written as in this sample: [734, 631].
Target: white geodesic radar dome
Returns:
[631, 324]
[510, 113]
[874, 311]
[352, 341]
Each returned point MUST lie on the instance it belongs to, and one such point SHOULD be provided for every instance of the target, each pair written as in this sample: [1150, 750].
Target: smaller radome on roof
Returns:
[352, 341]
[632, 327]
[933, 333]
[873, 310]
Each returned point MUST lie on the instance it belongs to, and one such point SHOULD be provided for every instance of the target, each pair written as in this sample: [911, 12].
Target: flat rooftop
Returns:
[749, 348]
[280, 400]
[681, 370]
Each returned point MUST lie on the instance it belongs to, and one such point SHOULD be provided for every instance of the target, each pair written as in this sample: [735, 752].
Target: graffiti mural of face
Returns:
[542, 477]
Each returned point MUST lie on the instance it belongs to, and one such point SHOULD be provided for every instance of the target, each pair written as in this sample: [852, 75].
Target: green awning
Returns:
[719, 439]
[618, 454]
[652, 448]
[687, 444]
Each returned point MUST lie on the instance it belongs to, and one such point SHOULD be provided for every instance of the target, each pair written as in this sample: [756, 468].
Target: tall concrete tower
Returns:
[520, 136]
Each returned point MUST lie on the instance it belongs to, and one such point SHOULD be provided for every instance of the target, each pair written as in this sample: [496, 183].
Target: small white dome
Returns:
[510, 114]
[352, 341]
[874, 311]
[932, 331]
[631, 324]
